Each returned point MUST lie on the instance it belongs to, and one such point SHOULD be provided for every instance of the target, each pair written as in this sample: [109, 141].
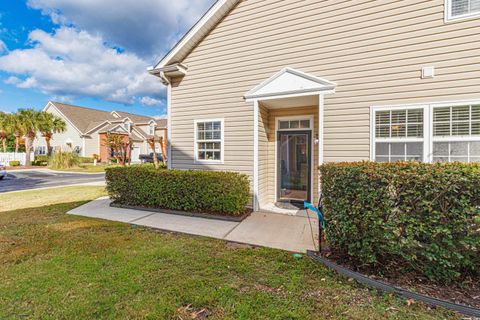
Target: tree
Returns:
[29, 122]
[151, 142]
[120, 144]
[4, 129]
[11, 126]
[48, 125]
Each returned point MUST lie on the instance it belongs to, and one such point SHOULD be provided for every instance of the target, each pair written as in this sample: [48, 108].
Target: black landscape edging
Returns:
[184, 213]
[466, 310]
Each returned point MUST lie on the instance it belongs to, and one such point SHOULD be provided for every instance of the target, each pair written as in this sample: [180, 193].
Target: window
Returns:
[399, 135]
[433, 133]
[209, 141]
[41, 150]
[462, 8]
[151, 129]
[294, 124]
[456, 133]
[126, 125]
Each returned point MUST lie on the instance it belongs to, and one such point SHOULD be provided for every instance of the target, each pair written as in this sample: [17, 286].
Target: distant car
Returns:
[3, 171]
[148, 158]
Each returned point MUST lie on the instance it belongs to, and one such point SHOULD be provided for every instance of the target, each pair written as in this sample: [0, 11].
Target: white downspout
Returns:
[255, 155]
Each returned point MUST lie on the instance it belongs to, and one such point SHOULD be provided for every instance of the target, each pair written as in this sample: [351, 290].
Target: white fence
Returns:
[6, 157]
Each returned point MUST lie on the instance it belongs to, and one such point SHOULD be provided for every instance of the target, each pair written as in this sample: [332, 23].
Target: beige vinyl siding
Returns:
[373, 50]
[60, 139]
[264, 162]
[92, 144]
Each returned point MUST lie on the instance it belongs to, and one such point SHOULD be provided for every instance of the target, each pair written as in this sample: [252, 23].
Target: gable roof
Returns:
[289, 81]
[86, 119]
[196, 34]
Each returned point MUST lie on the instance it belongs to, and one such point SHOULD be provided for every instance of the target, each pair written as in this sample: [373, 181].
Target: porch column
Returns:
[255, 154]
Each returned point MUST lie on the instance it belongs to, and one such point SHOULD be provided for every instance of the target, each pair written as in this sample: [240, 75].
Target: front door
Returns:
[294, 166]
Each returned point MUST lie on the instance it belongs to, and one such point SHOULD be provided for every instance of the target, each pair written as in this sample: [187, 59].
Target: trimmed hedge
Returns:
[86, 159]
[225, 193]
[14, 163]
[414, 216]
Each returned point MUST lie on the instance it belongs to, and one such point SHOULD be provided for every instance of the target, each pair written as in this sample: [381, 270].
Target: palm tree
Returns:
[4, 129]
[29, 122]
[48, 125]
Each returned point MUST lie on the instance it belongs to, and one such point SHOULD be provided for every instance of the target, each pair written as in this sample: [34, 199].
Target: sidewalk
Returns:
[291, 233]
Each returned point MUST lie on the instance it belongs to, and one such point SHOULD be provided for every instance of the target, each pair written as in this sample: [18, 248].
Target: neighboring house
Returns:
[274, 88]
[87, 131]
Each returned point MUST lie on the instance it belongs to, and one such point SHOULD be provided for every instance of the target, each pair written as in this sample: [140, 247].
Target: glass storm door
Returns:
[294, 167]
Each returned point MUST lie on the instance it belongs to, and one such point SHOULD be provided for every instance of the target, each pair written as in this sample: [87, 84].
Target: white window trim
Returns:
[450, 18]
[222, 142]
[427, 125]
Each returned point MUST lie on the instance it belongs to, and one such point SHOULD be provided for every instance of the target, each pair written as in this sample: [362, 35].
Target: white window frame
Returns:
[428, 137]
[449, 17]
[43, 153]
[151, 129]
[196, 141]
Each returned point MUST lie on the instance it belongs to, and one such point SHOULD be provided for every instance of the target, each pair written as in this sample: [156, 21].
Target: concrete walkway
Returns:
[291, 233]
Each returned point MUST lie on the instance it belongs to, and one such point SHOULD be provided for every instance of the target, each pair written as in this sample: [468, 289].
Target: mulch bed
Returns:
[238, 218]
[466, 292]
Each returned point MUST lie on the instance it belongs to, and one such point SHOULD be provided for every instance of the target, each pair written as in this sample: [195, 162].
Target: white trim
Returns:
[321, 85]
[169, 125]
[58, 110]
[321, 108]
[83, 147]
[192, 34]
[222, 141]
[448, 13]
[98, 127]
[310, 117]
[256, 111]
[428, 137]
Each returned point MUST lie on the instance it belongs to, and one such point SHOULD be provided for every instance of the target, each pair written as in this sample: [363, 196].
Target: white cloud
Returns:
[12, 80]
[147, 28]
[148, 101]
[3, 47]
[72, 63]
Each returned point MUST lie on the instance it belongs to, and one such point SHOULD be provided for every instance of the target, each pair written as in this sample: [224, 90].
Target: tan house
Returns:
[274, 88]
[87, 129]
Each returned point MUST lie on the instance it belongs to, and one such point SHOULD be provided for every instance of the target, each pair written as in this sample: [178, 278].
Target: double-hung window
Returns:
[399, 135]
[209, 140]
[457, 9]
[430, 133]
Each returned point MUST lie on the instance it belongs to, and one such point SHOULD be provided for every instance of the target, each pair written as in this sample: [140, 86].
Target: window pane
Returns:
[201, 135]
[441, 129]
[459, 148]
[216, 155]
[474, 5]
[440, 159]
[475, 128]
[415, 116]
[415, 130]
[217, 125]
[217, 146]
[381, 149]
[381, 159]
[399, 116]
[201, 155]
[441, 114]
[458, 159]
[208, 125]
[201, 126]
[284, 124]
[460, 128]
[440, 149]
[383, 132]
[382, 117]
[474, 159]
[397, 149]
[208, 135]
[415, 149]
[461, 113]
[476, 110]
[398, 130]
[475, 149]
[294, 124]
[395, 159]
[209, 146]
[459, 7]
[305, 124]
[217, 135]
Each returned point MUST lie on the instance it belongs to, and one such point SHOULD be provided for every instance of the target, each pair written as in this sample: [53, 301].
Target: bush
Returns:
[14, 163]
[415, 216]
[63, 160]
[40, 160]
[211, 192]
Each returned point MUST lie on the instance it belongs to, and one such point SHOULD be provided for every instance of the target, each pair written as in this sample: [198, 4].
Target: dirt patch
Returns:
[188, 312]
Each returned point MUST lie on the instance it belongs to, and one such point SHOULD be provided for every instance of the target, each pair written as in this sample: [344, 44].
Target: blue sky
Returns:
[91, 53]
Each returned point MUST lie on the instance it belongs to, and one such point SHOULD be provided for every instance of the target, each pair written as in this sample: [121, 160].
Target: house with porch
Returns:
[87, 131]
[273, 89]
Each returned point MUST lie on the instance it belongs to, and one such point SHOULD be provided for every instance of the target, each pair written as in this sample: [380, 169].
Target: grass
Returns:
[55, 265]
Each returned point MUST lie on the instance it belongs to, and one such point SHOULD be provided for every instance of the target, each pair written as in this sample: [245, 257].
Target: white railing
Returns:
[6, 157]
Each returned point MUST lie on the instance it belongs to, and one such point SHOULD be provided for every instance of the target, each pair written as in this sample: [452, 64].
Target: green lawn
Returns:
[58, 266]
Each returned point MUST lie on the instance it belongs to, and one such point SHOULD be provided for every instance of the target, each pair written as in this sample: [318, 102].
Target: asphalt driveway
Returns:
[25, 180]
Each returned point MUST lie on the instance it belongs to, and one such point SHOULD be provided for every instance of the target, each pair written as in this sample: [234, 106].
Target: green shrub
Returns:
[41, 158]
[414, 216]
[39, 163]
[63, 160]
[14, 163]
[194, 191]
